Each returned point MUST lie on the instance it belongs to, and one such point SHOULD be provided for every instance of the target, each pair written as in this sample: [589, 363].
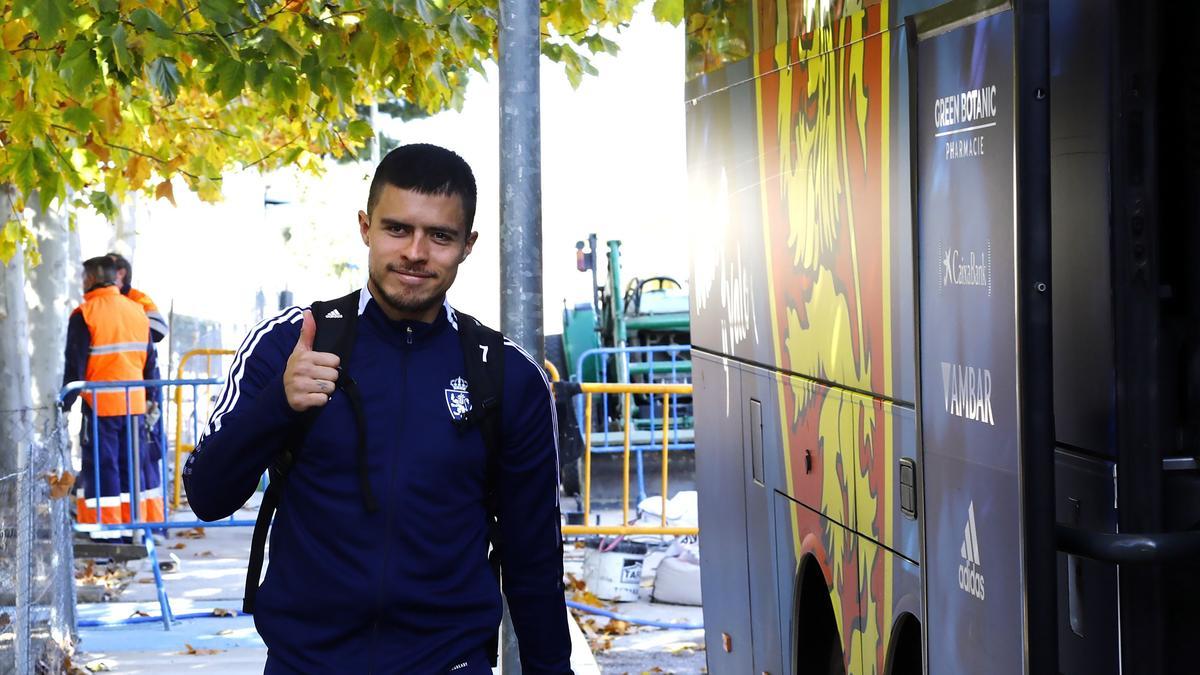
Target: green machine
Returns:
[644, 331]
[647, 313]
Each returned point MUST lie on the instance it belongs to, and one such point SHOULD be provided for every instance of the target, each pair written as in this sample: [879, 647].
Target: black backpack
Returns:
[483, 357]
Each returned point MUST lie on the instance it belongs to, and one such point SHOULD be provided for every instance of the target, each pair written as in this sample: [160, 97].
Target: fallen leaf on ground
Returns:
[97, 666]
[616, 627]
[203, 554]
[192, 651]
[179, 546]
[146, 580]
[60, 485]
[227, 631]
[221, 611]
[194, 533]
[139, 613]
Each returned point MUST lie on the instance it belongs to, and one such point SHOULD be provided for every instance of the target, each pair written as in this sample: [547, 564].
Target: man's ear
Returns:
[364, 225]
[470, 245]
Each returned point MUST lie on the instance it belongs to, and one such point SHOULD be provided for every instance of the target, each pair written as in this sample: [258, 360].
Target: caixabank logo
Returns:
[970, 575]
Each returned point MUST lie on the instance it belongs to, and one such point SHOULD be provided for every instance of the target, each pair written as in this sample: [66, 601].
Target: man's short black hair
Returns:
[120, 263]
[102, 268]
[429, 170]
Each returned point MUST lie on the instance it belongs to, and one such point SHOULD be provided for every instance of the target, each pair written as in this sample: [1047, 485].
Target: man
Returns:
[152, 431]
[406, 587]
[108, 340]
[124, 281]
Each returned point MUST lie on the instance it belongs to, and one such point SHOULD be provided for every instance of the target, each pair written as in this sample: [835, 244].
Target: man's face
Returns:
[416, 243]
[89, 280]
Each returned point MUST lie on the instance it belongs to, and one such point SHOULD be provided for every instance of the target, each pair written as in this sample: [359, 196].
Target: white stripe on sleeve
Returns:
[232, 391]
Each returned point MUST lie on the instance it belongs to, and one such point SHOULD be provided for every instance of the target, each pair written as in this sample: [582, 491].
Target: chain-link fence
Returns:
[37, 581]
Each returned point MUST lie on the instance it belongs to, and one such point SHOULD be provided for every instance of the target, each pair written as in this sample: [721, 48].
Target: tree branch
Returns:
[243, 29]
[332, 128]
[264, 158]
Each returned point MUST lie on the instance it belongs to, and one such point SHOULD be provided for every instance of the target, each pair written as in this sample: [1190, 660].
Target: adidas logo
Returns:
[333, 314]
[970, 579]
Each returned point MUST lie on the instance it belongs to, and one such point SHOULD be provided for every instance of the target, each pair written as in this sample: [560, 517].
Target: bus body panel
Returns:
[724, 583]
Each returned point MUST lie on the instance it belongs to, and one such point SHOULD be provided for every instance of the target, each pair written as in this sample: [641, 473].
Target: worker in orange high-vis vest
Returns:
[152, 432]
[124, 281]
[108, 340]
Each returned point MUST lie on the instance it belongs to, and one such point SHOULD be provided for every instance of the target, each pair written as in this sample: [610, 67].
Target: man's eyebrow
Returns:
[443, 229]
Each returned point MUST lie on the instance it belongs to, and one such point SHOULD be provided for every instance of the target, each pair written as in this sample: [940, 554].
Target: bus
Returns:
[946, 334]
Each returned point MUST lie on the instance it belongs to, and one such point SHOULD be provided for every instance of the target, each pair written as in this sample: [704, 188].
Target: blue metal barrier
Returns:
[137, 523]
[673, 369]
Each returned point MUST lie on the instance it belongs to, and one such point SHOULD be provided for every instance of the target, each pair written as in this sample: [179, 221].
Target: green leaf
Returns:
[50, 16]
[164, 75]
[79, 68]
[220, 11]
[21, 168]
[282, 83]
[103, 203]
[121, 49]
[257, 75]
[80, 119]
[382, 23]
[257, 9]
[428, 12]
[360, 130]
[292, 154]
[462, 31]
[144, 19]
[343, 83]
[231, 78]
[669, 11]
[28, 124]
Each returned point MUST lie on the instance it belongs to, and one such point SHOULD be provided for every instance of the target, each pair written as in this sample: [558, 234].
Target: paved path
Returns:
[210, 575]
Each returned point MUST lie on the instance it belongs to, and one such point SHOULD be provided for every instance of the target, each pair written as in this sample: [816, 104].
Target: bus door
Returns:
[981, 218]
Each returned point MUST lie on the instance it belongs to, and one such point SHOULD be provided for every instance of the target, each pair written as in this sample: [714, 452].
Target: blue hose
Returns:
[98, 623]
[628, 619]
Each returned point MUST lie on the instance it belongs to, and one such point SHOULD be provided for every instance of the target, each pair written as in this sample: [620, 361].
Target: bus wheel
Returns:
[818, 644]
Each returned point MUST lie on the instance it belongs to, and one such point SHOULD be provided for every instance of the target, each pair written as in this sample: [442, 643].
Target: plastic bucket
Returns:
[614, 573]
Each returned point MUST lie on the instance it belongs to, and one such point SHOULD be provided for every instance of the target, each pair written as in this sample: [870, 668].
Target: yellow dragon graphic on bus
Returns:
[822, 85]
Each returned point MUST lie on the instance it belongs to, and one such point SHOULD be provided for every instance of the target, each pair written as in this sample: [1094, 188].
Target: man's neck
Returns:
[428, 316]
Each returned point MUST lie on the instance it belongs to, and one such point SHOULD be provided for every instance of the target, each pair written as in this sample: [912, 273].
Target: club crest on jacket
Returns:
[458, 401]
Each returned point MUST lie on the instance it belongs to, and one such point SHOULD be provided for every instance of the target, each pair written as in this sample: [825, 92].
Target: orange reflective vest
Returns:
[158, 325]
[120, 333]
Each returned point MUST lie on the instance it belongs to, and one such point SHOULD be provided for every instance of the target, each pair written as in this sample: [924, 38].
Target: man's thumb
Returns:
[308, 332]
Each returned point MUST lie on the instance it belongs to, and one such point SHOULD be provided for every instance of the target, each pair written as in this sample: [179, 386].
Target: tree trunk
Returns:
[16, 402]
[125, 227]
[50, 305]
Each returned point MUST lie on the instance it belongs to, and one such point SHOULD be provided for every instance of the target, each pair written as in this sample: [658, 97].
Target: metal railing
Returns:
[666, 391]
[136, 522]
[180, 446]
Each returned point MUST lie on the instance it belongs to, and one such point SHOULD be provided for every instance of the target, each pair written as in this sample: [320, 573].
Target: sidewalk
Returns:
[210, 576]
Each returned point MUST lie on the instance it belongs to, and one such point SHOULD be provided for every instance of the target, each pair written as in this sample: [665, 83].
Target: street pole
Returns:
[521, 176]
[520, 207]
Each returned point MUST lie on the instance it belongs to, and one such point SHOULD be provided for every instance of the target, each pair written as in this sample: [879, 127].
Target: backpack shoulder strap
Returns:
[483, 359]
[336, 321]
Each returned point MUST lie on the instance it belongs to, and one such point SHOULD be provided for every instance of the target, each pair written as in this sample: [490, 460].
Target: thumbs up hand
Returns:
[310, 377]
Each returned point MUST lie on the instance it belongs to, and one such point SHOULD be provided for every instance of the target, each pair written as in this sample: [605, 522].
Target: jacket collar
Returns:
[101, 291]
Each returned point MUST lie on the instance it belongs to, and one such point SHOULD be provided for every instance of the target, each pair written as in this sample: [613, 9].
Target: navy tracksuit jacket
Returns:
[406, 589]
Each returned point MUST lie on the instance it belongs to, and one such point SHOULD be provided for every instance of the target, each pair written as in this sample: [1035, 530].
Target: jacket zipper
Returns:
[386, 503]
